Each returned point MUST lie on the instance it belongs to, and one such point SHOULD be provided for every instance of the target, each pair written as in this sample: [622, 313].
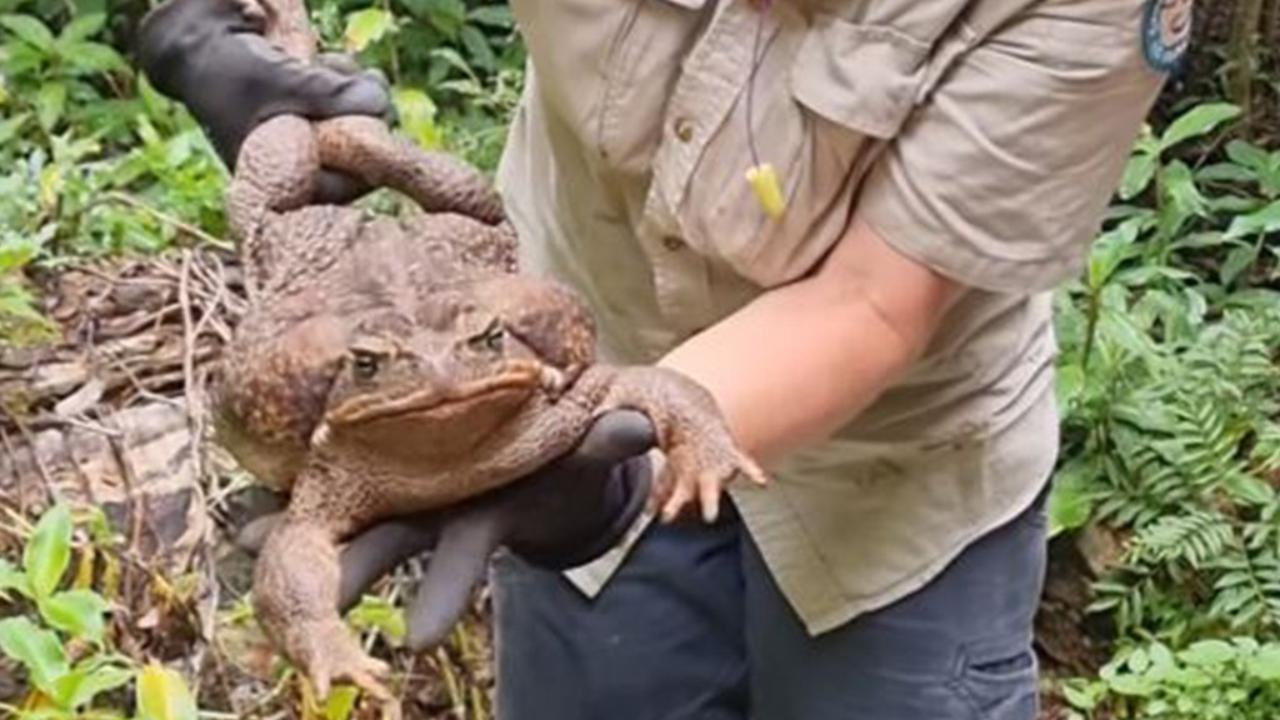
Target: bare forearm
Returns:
[792, 367]
[802, 360]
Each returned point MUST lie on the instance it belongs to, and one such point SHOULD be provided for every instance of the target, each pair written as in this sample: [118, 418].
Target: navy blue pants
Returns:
[692, 626]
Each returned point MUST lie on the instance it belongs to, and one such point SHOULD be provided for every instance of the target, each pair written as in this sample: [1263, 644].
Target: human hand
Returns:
[210, 55]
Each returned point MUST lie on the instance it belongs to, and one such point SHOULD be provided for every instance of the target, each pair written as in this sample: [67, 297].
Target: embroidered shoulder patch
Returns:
[1166, 32]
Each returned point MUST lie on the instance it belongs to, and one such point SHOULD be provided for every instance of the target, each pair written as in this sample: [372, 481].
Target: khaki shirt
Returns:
[983, 138]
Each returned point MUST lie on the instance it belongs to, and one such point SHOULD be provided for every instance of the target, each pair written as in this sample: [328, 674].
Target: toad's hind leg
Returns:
[367, 149]
[275, 172]
[297, 581]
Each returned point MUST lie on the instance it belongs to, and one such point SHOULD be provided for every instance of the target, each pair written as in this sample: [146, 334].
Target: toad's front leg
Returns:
[701, 454]
[295, 595]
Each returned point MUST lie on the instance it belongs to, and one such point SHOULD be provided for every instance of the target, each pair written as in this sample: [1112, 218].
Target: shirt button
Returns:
[672, 243]
[684, 129]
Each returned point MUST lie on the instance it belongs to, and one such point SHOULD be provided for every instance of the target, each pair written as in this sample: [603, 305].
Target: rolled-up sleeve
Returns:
[1000, 177]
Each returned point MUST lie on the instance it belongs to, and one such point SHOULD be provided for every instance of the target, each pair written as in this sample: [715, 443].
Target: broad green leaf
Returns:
[1265, 665]
[80, 686]
[1137, 175]
[1238, 260]
[1249, 489]
[341, 702]
[1254, 298]
[1266, 220]
[451, 57]
[417, 114]
[365, 27]
[1161, 658]
[447, 16]
[162, 694]
[1247, 154]
[1080, 697]
[82, 27]
[1110, 250]
[1207, 653]
[1117, 329]
[10, 126]
[1180, 188]
[89, 7]
[37, 649]
[92, 57]
[1139, 661]
[49, 550]
[1072, 498]
[51, 102]
[76, 612]
[1196, 122]
[15, 254]
[1130, 685]
[29, 30]
[1070, 381]
[482, 56]
[1226, 172]
[376, 613]
[11, 578]
[498, 16]
[1231, 205]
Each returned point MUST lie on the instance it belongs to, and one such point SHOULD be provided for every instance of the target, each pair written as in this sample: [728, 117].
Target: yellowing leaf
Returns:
[378, 614]
[341, 703]
[417, 115]
[162, 694]
[50, 186]
[366, 27]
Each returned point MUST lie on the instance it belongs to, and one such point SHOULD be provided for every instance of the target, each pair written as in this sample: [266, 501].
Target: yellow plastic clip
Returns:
[764, 181]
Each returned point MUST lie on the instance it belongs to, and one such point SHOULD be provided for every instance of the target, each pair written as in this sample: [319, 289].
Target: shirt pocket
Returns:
[603, 68]
[827, 96]
[863, 77]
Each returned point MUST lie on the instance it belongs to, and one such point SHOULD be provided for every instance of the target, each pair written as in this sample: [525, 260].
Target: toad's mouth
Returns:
[514, 385]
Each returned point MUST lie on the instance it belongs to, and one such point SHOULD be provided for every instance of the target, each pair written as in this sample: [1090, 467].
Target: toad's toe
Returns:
[328, 652]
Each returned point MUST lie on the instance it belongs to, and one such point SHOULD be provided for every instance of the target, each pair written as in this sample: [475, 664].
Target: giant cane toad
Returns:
[393, 366]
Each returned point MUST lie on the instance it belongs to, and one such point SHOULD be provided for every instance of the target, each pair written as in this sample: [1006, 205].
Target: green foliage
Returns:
[1237, 679]
[456, 67]
[62, 643]
[161, 694]
[1170, 386]
[92, 161]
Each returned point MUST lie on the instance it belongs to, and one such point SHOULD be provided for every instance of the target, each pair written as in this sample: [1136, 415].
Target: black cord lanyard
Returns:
[761, 175]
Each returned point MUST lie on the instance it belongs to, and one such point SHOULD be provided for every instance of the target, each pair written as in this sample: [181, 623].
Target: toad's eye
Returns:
[492, 338]
[365, 364]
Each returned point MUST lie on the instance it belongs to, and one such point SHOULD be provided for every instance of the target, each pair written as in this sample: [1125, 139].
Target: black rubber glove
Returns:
[210, 56]
[567, 514]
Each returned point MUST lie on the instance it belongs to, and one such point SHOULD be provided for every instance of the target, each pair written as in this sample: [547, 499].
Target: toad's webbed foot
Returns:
[326, 652]
[702, 456]
[366, 148]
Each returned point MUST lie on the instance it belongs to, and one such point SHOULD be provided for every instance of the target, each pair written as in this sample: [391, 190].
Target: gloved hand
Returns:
[567, 514]
[210, 56]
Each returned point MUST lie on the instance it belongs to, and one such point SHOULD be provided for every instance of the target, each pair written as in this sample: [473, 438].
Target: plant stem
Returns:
[1244, 48]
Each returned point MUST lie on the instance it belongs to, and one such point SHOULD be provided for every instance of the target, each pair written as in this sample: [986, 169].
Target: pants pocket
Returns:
[998, 678]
